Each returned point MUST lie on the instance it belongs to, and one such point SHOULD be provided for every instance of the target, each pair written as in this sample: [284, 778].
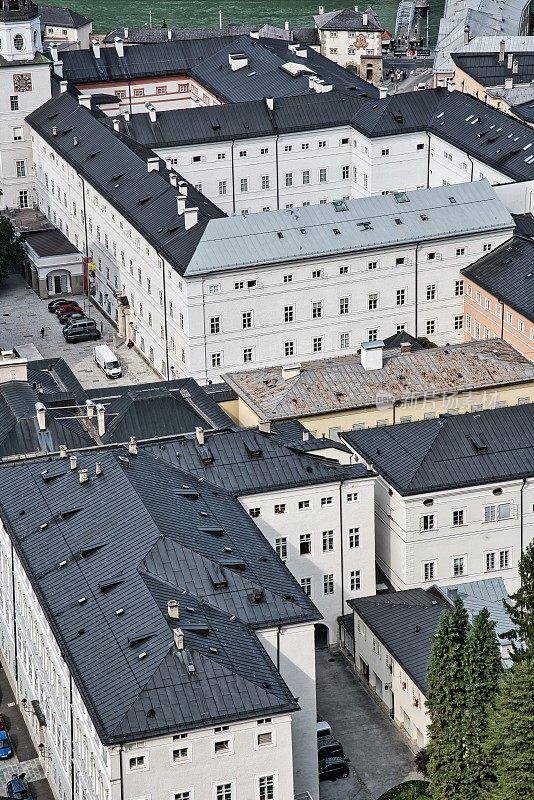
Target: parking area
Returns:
[23, 314]
[379, 756]
[25, 760]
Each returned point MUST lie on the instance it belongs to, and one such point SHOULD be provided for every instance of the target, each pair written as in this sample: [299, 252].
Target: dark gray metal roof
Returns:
[247, 461]
[451, 452]
[508, 273]
[525, 111]
[150, 35]
[405, 622]
[113, 551]
[119, 172]
[59, 15]
[487, 70]
[50, 242]
[348, 20]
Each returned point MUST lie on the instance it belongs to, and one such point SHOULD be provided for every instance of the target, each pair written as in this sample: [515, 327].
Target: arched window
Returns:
[18, 41]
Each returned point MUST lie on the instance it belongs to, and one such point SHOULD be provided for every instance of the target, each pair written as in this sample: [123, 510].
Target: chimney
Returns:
[237, 61]
[509, 60]
[406, 347]
[301, 53]
[63, 451]
[96, 48]
[41, 415]
[132, 446]
[116, 125]
[321, 9]
[54, 130]
[101, 417]
[191, 217]
[12, 366]
[178, 638]
[515, 66]
[254, 34]
[63, 86]
[286, 26]
[126, 32]
[183, 188]
[58, 68]
[85, 100]
[264, 426]
[83, 475]
[126, 116]
[269, 102]
[90, 406]
[371, 355]
[383, 90]
[305, 436]
[151, 112]
[173, 609]
[466, 35]
[502, 46]
[98, 469]
[152, 164]
[173, 179]
[180, 203]
[365, 20]
[73, 462]
[54, 52]
[290, 371]
[199, 434]
[119, 47]
[509, 82]
[169, 34]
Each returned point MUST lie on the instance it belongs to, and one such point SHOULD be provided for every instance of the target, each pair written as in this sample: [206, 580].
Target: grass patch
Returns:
[409, 790]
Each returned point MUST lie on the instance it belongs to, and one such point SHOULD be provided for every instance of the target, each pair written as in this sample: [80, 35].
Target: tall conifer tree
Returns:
[521, 609]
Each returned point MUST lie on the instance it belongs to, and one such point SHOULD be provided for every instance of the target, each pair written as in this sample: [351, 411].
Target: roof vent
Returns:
[191, 217]
[96, 48]
[256, 596]
[84, 100]
[264, 426]
[269, 102]
[406, 347]
[116, 125]
[119, 46]
[125, 34]
[291, 371]
[178, 638]
[180, 204]
[132, 446]
[40, 408]
[152, 164]
[173, 609]
[98, 469]
[83, 476]
[183, 188]
[73, 462]
[152, 113]
[199, 435]
[237, 61]
[372, 355]
[63, 451]
[101, 418]
[502, 47]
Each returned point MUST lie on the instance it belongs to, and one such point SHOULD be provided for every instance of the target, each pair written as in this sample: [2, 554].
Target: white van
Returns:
[107, 361]
[323, 729]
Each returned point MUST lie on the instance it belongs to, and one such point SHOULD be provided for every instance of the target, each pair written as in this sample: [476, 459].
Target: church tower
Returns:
[24, 86]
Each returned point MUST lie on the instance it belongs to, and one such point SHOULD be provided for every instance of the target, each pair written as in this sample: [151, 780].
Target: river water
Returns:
[203, 13]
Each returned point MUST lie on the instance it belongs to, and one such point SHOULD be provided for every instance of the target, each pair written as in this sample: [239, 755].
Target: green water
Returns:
[204, 13]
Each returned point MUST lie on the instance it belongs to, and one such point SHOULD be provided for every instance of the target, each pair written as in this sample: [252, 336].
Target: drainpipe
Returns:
[165, 326]
[521, 525]
[342, 560]
[502, 317]
[278, 633]
[130, 94]
[416, 288]
[277, 175]
[395, 404]
[428, 162]
[13, 600]
[71, 716]
[120, 771]
[472, 166]
[233, 177]
[204, 333]
[86, 243]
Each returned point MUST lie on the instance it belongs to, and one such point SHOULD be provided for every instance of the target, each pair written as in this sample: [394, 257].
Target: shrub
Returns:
[409, 790]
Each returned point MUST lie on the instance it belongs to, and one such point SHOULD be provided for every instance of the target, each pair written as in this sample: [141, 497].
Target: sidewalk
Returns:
[25, 759]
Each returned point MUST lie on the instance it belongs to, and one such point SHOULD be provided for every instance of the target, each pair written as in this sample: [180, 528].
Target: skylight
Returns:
[401, 197]
[340, 205]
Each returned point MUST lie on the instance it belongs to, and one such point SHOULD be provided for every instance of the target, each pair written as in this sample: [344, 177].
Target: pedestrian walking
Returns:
[42, 333]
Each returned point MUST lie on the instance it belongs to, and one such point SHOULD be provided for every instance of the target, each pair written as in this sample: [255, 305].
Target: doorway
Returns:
[321, 636]
[364, 669]
[58, 283]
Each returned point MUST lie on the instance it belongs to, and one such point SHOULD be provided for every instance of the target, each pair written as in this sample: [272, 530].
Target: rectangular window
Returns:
[246, 319]
[254, 512]
[216, 359]
[345, 173]
[355, 580]
[385, 151]
[14, 102]
[460, 251]
[458, 518]
[317, 309]
[328, 541]
[306, 586]
[138, 92]
[328, 584]
[223, 187]
[317, 273]
[289, 313]
[281, 547]
[317, 344]
[17, 134]
[429, 570]
[264, 151]
[247, 355]
[223, 791]
[504, 559]
[428, 522]
[372, 264]
[458, 322]
[430, 326]
[372, 334]
[221, 156]
[265, 739]
[372, 301]
[344, 305]
[322, 176]
[289, 349]
[289, 179]
[215, 324]
[458, 565]
[401, 297]
[280, 508]
[305, 177]
[288, 278]
[288, 148]
[243, 185]
[137, 762]
[486, 247]
[180, 755]
[305, 544]
[344, 341]
[327, 501]
[223, 746]
[265, 182]
[354, 537]
[431, 291]
[459, 288]
[304, 505]
[161, 90]
[21, 169]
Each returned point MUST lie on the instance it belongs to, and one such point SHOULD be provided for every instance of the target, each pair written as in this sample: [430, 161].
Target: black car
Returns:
[54, 303]
[328, 747]
[333, 768]
[68, 315]
[81, 330]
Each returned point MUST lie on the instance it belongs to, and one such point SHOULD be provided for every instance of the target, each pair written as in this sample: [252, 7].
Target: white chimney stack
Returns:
[321, 9]
[466, 34]
[383, 92]
[183, 188]
[237, 61]
[286, 26]
[173, 609]
[264, 426]
[63, 451]
[119, 47]
[290, 371]
[515, 66]
[126, 32]
[96, 48]
[173, 178]
[90, 406]
[269, 101]
[98, 469]
[510, 60]
[199, 434]
[180, 204]
[151, 112]
[178, 638]
[63, 86]
[41, 415]
[73, 462]
[126, 116]
[365, 20]
[502, 47]
[58, 68]
[509, 82]
[116, 125]
[85, 100]
[169, 34]
[191, 217]
[372, 355]
[83, 475]
[101, 418]
[152, 164]
[132, 446]
[54, 52]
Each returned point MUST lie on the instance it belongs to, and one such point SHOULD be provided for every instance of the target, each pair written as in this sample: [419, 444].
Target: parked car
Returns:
[420, 87]
[328, 747]
[64, 307]
[6, 748]
[107, 361]
[323, 728]
[18, 788]
[333, 768]
[82, 330]
[67, 315]
[53, 303]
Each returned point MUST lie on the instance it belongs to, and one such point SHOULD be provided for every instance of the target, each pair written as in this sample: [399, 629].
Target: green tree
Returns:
[510, 742]
[521, 609]
[11, 249]
[446, 705]
[482, 670]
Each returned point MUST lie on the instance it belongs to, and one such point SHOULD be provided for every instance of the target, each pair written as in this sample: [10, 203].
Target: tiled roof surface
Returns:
[170, 537]
[508, 274]
[451, 452]
[338, 384]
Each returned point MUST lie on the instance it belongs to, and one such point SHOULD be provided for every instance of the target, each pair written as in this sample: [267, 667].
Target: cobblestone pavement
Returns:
[379, 756]
[22, 314]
